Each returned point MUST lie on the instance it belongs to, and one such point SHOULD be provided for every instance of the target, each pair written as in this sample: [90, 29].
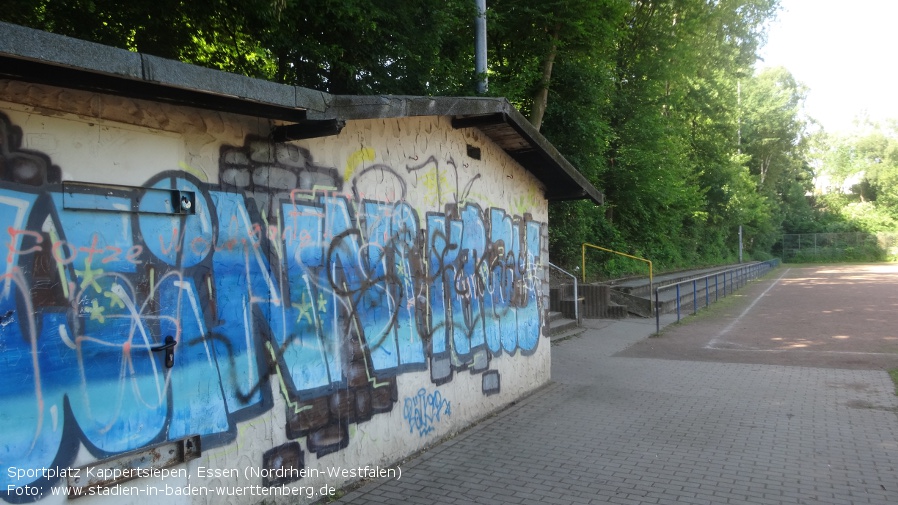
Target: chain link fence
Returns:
[817, 247]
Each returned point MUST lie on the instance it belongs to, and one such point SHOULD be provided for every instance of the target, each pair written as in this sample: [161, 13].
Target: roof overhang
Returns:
[44, 58]
[496, 118]
[535, 153]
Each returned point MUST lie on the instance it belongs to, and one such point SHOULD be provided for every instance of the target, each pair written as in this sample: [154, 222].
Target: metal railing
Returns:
[576, 293]
[583, 259]
[730, 279]
[854, 246]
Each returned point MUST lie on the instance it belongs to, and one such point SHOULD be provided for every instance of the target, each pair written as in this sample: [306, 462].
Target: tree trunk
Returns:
[765, 166]
[541, 96]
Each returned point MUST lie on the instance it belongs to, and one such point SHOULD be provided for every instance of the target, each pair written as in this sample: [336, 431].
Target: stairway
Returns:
[561, 326]
[598, 305]
[617, 299]
[594, 300]
[638, 294]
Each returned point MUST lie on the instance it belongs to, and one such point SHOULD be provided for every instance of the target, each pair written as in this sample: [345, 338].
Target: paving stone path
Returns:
[613, 427]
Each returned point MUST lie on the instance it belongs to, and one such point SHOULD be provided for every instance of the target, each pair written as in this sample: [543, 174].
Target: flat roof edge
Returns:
[37, 56]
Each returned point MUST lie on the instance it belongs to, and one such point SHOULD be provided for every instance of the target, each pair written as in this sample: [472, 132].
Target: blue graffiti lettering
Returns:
[333, 294]
[425, 410]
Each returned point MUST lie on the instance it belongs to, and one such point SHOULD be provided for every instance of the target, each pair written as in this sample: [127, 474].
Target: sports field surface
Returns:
[840, 316]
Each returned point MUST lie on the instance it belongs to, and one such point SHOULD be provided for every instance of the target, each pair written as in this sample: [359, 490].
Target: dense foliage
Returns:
[656, 101]
[860, 171]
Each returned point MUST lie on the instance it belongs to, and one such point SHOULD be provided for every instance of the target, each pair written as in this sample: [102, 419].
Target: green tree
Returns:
[773, 131]
[375, 46]
[862, 170]
[346, 47]
[643, 96]
[673, 119]
[214, 33]
[528, 39]
[774, 135]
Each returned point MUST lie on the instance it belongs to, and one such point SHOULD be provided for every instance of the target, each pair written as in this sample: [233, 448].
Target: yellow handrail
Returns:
[583, 255]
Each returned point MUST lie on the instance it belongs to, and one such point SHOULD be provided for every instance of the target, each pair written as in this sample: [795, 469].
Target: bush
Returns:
[862, 253]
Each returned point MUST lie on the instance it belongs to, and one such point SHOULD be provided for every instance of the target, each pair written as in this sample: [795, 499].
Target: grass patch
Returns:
[730, 304]
[716, 309]
[893, 373]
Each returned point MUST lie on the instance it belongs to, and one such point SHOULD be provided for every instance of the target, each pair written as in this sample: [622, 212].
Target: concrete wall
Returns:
[337, 303]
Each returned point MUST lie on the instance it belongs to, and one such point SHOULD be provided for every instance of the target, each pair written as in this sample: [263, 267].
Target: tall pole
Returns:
[739, 116]
[740, 243]
[480, 47]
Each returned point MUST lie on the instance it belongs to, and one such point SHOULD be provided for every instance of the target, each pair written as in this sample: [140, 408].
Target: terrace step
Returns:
[559, 324]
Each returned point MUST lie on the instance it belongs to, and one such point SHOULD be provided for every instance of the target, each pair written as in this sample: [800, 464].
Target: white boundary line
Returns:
[712, 344]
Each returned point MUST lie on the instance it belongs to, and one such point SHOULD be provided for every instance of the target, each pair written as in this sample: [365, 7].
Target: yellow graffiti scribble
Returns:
[322, 304]
[198, 173]
[357, 158]
[96, 312]
[243, 430]
[482, 199]
[294, 406]
[89, 277]
[305, 310]
[434, 182]
[114, 299]
[525, 203]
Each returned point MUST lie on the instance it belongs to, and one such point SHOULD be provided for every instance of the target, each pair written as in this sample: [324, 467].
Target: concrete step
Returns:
[558, 324]
[561, 299]
[616, 299]
[564, 334]
[640, 286]
[615, 311]
[567, 306]
[593, 302]
[705, 291]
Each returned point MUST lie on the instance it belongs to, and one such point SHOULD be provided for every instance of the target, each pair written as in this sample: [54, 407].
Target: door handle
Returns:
[169, 348]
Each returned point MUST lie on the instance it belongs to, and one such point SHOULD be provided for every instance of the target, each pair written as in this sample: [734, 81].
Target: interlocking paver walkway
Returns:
[638, 430]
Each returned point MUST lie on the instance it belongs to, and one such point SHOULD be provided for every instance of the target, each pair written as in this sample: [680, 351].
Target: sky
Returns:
[846, 52]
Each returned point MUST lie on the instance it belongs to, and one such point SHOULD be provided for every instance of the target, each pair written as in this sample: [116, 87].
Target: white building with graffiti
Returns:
[220, 289]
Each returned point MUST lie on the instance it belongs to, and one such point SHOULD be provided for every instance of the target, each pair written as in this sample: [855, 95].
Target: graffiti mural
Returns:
[284, 277]
[425, 410]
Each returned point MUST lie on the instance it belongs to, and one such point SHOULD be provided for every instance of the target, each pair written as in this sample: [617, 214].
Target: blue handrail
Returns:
[739, 276]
